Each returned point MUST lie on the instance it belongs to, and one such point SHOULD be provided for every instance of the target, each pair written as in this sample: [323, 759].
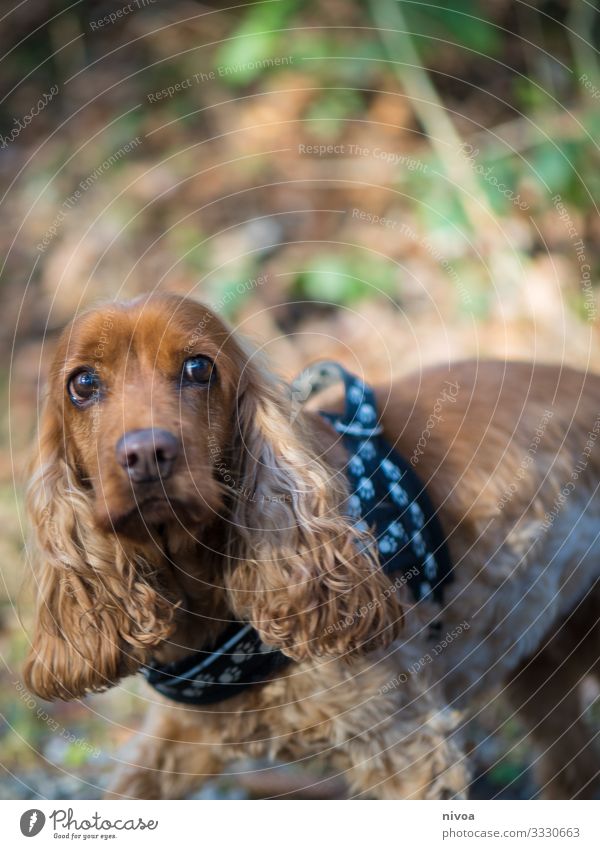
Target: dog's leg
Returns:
[546, 693]
[168, 760]
[416, 759]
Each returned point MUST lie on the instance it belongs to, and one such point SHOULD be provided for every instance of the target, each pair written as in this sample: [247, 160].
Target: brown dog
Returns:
[176, 490]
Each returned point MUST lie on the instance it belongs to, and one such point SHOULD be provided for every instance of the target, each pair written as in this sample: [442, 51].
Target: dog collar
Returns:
[386, 495]
[240, 660]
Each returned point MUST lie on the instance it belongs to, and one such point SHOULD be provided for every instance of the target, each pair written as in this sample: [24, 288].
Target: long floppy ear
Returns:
[305, 577]
[98, 609]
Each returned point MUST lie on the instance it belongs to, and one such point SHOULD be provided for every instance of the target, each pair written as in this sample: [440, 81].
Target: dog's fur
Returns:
[251, 524]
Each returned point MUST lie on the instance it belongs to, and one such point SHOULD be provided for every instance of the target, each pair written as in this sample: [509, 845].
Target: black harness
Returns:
[386, 496]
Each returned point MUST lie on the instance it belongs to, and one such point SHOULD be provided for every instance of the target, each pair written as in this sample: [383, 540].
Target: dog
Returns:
[177, 488]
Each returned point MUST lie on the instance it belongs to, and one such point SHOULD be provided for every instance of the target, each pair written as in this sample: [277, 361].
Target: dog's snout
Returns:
[147, 455]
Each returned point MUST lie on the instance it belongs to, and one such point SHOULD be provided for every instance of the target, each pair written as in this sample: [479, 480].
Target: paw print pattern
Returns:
[356, 466]
[365, 489]
[245, 647]
[367, 450]
[417, 514]
[387, 545]
[190, 692]
[366, 414]
[390, 470]
[230, 674]
[239, 657]
[425, 589]
[398, 495]
[202, 680]
[354, 507]
[397, 530]
[430, 569]
[418, 544]
[356, 393]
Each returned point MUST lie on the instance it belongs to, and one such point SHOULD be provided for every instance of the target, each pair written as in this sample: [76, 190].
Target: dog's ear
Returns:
[301, 573]
[97, 608]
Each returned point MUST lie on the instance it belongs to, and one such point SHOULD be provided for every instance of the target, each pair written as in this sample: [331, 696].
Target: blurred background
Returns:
[386, 183]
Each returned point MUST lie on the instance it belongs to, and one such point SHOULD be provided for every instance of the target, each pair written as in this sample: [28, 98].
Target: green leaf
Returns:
[441, 209]
[337, 279]
[75, 756]
[228, 294]
[328, 280]
[253, 47]
[529, 96]
[189, 244]
[458, 21]
[506, 772]
[338, 62]
[553, 166]
[328, 113]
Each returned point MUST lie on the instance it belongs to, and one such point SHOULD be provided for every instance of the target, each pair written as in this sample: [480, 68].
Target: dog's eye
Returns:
[199, 370]
[83, 387]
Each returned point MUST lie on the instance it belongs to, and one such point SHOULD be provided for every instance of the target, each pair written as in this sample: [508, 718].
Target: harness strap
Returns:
[387, 496]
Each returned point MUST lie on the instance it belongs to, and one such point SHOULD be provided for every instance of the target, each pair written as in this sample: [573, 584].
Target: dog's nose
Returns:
[147, 455]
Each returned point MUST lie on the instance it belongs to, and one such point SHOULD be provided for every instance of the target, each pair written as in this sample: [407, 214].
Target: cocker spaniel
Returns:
[185, 505]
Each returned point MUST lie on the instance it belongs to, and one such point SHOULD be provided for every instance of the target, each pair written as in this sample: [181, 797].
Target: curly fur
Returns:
[99, 606]
[298, 572]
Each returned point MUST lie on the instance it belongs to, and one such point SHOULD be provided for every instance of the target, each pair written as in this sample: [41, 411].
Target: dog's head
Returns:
[141, 405]
[159, 429]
